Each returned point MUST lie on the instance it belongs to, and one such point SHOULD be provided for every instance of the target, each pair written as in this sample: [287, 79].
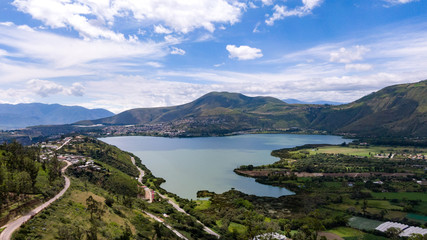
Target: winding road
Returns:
[141, 175]
[175, 205]
[12, 226]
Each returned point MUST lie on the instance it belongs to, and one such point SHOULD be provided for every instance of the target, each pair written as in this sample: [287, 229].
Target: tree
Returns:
[23, 183]
[127, 233]
[54, 168]
[92, 233]
[364, 206]
[94, 207]
[416, 236]
[393, 233]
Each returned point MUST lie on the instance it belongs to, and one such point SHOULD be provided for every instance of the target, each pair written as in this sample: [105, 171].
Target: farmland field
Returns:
[363, 223]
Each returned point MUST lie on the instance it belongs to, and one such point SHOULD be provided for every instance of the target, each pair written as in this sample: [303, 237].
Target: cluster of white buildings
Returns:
[405, 230]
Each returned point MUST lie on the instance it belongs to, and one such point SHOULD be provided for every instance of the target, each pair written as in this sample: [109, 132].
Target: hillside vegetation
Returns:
[218, 109]
[399, 110]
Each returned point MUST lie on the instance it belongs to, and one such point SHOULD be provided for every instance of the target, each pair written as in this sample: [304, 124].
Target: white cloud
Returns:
[61, 14]
[7, 24]
[154, 64]
[161, 30]
[252, 5]
[358, 67]
[172, 40]
[76, 89]
[204, 37]
[399, 1]
[344, 55]
[46, 88]
[243, 52]
[47, 55]
[95, 19]
[267, 2]
[281, 12]
[256, 30]
[177, 51]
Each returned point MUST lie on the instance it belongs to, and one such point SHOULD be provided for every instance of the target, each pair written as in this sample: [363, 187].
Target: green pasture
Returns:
[363, 223]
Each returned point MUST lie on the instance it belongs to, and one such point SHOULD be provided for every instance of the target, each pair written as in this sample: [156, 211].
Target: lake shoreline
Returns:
[207, 163]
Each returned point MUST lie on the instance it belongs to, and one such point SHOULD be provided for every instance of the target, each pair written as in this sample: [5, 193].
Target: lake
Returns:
[207, 163]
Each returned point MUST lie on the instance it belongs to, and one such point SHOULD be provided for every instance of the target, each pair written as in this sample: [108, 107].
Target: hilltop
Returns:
[232, 111]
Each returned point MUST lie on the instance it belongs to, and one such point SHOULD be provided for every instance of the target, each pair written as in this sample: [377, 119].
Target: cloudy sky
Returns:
[122, 54]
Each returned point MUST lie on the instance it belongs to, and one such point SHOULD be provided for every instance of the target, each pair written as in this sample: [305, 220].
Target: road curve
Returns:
[12, 226]
[141, 175]
[176, 206]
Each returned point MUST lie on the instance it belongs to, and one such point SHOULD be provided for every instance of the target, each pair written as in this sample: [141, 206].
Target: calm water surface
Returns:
[192, 164]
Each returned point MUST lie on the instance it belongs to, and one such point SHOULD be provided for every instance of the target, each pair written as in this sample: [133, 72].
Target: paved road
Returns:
[176, 206]
[65, 143]
[12, 226]
[141, 175]
[141, 172]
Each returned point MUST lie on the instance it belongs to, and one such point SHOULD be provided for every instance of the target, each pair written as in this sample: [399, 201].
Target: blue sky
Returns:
[122, 54]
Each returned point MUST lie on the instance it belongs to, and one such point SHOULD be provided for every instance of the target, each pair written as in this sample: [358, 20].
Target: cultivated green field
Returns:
[346, 232]
[236, 227]
[363, 223]
[366, 151]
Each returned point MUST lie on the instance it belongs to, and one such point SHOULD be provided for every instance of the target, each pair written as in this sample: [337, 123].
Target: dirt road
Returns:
[12, 226]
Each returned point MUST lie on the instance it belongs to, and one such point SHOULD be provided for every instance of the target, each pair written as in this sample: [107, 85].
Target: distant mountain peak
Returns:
[13, 116]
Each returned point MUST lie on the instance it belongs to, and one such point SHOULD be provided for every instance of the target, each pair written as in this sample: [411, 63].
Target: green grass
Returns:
[235, 227]
[364, 151]
[383, 204]
[332, 184]
[202, 205]
[1, 229]
[401, 195]
[363, 223]
[421, 208]
[346, 232]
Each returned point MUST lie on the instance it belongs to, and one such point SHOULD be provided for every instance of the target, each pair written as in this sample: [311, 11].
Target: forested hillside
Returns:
[25, 178]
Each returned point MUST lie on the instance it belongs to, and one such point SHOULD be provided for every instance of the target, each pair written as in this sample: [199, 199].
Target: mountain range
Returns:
[30, 114]
[399, 110]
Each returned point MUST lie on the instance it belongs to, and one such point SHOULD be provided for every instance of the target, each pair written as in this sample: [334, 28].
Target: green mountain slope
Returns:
[399, 110]
[234, 110]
